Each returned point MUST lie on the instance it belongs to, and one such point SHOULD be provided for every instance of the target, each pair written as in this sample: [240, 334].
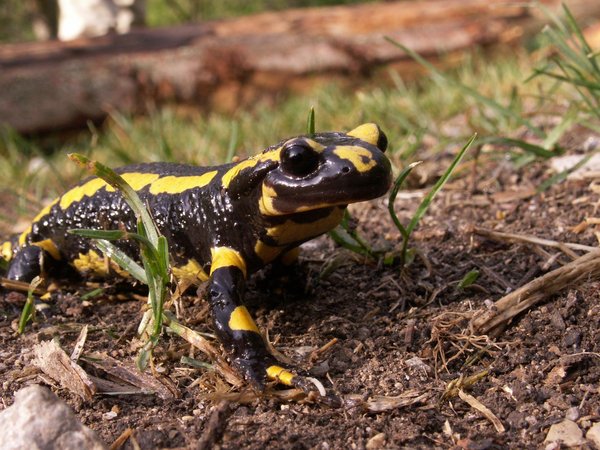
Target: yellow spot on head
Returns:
[226, 257]
[176, 185]
[280, 374]
[240, 320]
[137, 180]
[191, 271]
[357, 156]
[368, 132]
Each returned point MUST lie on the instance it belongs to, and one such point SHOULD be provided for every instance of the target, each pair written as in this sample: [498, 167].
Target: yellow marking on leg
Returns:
[266, 252]
[226, 257]
[368, 132]
[290, 231]
[190, 271]
[176, 185]
[50, 247]
[78, 193]
[361, 158]
[240, 320]
[6, 251]
[94, 263]
[137, 180]
[291, 256]
[280, 374]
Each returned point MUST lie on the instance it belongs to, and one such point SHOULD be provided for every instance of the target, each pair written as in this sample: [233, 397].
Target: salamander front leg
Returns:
[237, 330]
[26, 264]
[235, 327]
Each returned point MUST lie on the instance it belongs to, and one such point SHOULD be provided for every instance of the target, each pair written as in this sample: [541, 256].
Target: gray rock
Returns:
[39, 420]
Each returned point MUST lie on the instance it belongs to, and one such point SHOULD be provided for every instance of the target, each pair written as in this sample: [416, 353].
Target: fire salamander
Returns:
[222, 223]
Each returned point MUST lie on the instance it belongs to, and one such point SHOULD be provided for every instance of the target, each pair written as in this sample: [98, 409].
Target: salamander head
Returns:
[327, 169]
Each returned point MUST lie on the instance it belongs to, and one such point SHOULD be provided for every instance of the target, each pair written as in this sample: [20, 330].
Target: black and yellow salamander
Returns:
[222, 223]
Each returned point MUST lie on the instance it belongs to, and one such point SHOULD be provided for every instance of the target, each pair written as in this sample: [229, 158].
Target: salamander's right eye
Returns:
[299, 159]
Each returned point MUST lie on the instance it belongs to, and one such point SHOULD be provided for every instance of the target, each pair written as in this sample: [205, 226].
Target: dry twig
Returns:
[583, 268]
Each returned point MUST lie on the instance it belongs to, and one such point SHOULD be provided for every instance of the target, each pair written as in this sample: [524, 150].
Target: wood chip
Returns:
[128, 377]
[407, 398]
[76, 353]
[55, 363]
[482, 409]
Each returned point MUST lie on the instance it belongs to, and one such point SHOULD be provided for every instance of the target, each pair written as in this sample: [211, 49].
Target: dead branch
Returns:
[585, 267]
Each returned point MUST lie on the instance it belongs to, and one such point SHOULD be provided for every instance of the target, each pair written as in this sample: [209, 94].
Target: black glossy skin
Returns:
[290, 193]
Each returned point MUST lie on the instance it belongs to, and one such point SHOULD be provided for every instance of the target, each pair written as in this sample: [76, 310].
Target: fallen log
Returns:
[231, 63]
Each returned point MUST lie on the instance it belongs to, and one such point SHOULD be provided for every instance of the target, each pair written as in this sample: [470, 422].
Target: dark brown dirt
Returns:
[395, 328]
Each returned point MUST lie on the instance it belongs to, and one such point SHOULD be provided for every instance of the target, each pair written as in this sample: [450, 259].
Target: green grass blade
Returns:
[110, 235]
[534, 149]
[394, 193]
[28, 311]
[310, 122]
[343, 238]
[589, 53]
[561, 176]
[469, 279]
[122, 259]
[233, 141]
[558, 131]
[433, 192]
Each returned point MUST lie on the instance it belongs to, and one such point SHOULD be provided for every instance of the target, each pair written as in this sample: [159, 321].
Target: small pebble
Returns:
[572, 413]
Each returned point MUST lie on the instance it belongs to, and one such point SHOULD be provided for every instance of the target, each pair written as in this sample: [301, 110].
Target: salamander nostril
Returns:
[345, 169]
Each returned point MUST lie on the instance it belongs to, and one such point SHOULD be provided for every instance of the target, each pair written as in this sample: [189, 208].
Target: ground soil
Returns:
[398, 330]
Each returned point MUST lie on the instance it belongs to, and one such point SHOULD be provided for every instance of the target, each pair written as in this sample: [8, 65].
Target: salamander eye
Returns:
[299, 159]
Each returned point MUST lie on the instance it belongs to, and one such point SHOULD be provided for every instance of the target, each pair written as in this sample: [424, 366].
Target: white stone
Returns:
[593, 435]
[40, 420]
[566, 432]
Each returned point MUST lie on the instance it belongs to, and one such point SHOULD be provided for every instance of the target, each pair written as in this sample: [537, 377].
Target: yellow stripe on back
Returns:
[176, 185]
[240, 320]
[78, 193]
[137, 180]
[235, 170]
[226, 257]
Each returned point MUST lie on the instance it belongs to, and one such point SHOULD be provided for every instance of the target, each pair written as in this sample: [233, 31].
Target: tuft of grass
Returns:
[154, 250]
[574, 62]
[424, 205]
[28, 312]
